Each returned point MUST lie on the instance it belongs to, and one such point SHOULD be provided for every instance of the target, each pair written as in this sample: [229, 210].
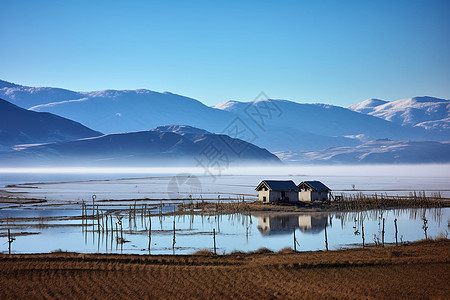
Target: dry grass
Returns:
[418, 271]
[361, 201]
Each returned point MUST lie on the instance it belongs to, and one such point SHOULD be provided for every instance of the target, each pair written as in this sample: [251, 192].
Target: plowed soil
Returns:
[417, 271]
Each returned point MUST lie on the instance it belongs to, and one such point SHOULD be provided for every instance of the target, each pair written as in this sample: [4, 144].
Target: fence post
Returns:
[382, 234]
[363, 241]
[425, 226]
[396, 232]
[93, 203]
[214, 239]
[149, 234]
[326, 240]
[173, 242]
[295, 242]
[98, 221]
[10, 240]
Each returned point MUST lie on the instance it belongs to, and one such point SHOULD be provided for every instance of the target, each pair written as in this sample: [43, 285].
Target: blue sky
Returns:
[337, 52]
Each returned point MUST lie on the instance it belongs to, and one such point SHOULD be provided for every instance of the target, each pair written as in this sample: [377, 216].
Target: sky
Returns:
[335, 52]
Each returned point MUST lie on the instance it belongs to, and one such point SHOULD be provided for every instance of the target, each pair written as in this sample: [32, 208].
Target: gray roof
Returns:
[279, 185]
[316, 185]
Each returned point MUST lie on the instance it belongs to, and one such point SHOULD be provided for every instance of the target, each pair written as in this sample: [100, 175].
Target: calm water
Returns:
[56, 224]
[53, 230]
[63, 188]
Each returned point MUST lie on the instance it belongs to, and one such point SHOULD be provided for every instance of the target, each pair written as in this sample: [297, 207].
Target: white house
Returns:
[313, 191]
[275, 191]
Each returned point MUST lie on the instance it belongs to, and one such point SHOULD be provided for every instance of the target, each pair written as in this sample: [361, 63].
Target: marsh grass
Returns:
[361, 201]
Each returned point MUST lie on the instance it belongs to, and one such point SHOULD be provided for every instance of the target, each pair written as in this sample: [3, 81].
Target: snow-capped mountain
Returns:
[280, 126]
[114, 111]
[426, 112]
[367, 106]
[163, 146]
[377, 152]
[320, 119]
[26, 96]
[20, 126]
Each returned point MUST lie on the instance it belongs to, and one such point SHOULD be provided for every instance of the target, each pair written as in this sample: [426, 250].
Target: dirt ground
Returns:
[417, 271]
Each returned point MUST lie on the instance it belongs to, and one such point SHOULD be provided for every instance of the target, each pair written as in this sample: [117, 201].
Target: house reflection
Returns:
[271, 224]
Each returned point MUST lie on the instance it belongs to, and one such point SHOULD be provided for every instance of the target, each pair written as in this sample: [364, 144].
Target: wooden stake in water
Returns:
[93, 203]
[214, 239]
[98, 220]
[10, 240]
[149, 235]
[382, 234]
[295, 241]
[103, 223]
[326, 239]
[396, 232]
[173, 242]
[362, 232]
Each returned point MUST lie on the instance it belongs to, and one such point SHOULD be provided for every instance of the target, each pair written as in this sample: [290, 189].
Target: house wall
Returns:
[312, 196]
[304, 196]
[323, 196]
[273, 196]
[262, 194]
[293, 196]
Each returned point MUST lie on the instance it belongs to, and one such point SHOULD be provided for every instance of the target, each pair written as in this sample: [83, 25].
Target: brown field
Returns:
[417, 271]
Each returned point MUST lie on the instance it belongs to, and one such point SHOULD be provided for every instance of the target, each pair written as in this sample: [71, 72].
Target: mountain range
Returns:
[383, 151]
[163, 146]
[21, 126]
[288, 129]
[427, 112]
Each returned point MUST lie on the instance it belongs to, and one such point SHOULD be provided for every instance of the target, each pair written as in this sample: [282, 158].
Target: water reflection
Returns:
[271, 224]
[148, 230]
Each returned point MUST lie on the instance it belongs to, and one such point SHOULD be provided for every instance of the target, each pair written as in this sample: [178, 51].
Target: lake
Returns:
[75, 185]
[57, 224]
[46, 230]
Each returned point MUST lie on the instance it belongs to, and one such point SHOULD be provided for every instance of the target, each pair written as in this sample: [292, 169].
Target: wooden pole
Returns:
[295, 242]
[121, 232]
[396, 232]
[82, 213]
[149, 235]
[9, 241]
[214, 238]
[98, 221]
[93, 203]
[173, 242]
[363, 241]
[103, 223]
[382, 234]
[326, 240]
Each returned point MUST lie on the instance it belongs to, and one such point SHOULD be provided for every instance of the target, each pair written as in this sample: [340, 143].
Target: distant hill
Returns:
[367, 106]
[322, 119]
[114, 111]
[163, 146]
[26, 96]
[426, 112]
[21, 126]
[281, 126]
[378, 152]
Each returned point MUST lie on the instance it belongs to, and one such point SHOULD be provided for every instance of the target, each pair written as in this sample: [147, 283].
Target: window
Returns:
[264, 199]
